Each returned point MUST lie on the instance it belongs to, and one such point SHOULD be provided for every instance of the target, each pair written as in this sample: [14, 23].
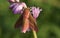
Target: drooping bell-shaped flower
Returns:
[18, 8]
[35, 11]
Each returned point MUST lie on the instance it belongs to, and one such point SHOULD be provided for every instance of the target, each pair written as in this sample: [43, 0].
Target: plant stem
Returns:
[34, 33]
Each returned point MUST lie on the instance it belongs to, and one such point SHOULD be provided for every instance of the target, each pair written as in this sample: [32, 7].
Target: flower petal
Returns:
[18, 9]
[12, 5]
[14, 8]
[24, 5]
[35, 11]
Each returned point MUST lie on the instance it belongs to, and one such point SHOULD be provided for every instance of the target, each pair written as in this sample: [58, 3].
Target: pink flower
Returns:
[35, 11]
[12, 5]
[17, 8]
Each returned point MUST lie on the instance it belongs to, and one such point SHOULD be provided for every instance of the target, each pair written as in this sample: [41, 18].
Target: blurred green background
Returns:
[48, 21]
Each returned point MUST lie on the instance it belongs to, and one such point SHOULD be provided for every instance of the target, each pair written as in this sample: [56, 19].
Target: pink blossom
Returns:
[17, 8]
[35, 11]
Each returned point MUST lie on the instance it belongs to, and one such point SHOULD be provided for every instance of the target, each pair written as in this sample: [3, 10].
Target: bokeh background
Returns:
[48, 20]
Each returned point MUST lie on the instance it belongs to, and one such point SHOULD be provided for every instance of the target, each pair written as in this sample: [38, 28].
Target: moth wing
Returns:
[19, 22]
[33, 23]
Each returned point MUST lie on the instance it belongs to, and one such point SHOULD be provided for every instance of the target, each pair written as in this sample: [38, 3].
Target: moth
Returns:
[26, 21]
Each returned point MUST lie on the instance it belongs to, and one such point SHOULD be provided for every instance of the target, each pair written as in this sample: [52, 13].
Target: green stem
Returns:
[34, 33]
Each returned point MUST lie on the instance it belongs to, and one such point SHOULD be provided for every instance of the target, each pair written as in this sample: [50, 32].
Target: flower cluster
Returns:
[28, 15]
